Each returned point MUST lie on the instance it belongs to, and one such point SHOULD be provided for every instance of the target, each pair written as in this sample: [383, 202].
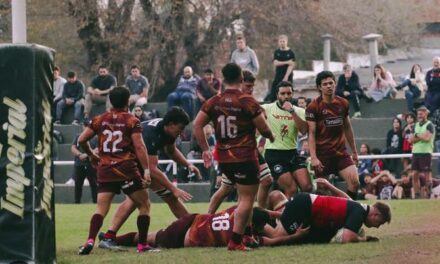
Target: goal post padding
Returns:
[27, 217]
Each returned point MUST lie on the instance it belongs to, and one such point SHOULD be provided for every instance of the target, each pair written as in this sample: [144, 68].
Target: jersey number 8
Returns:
[110, 135]
[228, 128]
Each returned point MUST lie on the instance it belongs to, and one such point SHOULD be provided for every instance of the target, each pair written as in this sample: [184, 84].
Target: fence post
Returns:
[326, 51]
[373, 49]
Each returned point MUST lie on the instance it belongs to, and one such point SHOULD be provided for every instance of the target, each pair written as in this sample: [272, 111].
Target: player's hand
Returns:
[317, 165]
[371, 239]
[94, 158]
[207, 158]
[322, 183]
[195, 170]
[272, 138]
[287, 105]
[354, 157]
[301, 232]
[181, 194]
[146, 180]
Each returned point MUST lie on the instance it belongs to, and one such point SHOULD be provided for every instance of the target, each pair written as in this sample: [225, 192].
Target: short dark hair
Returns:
[232, 73]
[119, 96]
[56, 68]
[102, 66]
[134, 66]
[384, 211]
[248, 76]
[411, 114]
[302, 97]
[283, 84]
[241, 37]
[324, 75]
[71, 74]
[346, 67]
[208, 71]
[176, 115]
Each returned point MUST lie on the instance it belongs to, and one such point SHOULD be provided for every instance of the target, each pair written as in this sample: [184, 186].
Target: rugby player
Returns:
[236, 117]
[329, 129]
[286, 120]
[265, 178]
[120, 147]
[158, 134]
[324, 216]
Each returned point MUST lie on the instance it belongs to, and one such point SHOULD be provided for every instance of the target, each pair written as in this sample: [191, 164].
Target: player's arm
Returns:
[262, 127]
[286, 239]
[202, 119]
[349, 135]
[140, 150]
[300, 122]
[423, 137]
[175, 154]
[315, 162]
[83, 141]
[163, 180]
[324, 184]
[349, 236]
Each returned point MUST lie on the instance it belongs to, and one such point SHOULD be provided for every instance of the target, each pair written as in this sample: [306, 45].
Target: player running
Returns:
[265, 178]
[236, 116]
[286, 120]
[329, 129]
[120, 149]
[158, 134]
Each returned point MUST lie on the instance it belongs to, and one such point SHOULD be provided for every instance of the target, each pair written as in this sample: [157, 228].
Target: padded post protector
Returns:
[27, 217]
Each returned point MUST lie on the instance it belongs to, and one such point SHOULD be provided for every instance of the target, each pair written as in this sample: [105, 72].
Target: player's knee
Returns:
[308, 187]
[276, 196]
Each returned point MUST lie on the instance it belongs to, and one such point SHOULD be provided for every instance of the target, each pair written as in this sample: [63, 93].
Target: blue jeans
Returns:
[185, 99]
[411, 94]
[62, 104]
[432, 100]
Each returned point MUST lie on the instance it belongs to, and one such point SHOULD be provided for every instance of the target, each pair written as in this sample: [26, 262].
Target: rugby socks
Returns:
[353, 195]
[236, 238]
[143, 223]
[95, 225]
[110, 235]
[126, 240]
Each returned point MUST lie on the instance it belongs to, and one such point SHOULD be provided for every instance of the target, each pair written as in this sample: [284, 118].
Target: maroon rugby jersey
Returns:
[232, 113]
[118, 159]
[329, 118]
[212, 230]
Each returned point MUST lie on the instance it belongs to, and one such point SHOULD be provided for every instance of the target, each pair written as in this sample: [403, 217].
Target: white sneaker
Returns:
[86, 182]
[356, 115]
[70, 182]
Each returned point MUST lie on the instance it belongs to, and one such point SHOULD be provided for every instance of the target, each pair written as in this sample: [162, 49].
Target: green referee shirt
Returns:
[283, 126]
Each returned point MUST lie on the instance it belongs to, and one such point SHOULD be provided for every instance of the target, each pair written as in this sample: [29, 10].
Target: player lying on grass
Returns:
[325, 216]
[159, 135]
[204, 230]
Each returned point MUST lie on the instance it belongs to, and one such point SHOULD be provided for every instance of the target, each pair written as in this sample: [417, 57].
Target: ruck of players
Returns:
[279, 201]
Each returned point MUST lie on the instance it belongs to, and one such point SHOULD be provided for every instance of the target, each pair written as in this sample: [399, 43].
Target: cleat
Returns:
[250, 242]
[86, 248]
[146, 248]
[108, 243]
[237, 247]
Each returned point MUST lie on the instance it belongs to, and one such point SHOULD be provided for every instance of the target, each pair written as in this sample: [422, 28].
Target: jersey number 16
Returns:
[228, 128]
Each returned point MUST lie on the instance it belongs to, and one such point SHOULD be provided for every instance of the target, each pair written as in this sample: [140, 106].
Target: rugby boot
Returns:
[86, 248]
[146, 248]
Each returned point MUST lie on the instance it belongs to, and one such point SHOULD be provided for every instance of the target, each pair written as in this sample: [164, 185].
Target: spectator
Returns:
[367, 189]
[432, 96]
[245, 57]
[382, 84]
[403, 189]
[383, 186]
[302, 139]
[284, 62]
[407, 132]
[83, 168]
[376, 164]
[207, 87]
[435, 119]
[139, 112]
[99, 89]
[394, 144]
[73, 92]
[196, 153]
[185, 92]
[415, 83]
[423, 146]
[138, 86]
[349, 87]
[364, 165]
[58, 84]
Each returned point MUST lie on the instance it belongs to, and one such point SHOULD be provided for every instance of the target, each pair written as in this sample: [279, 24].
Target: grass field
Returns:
[412, 237]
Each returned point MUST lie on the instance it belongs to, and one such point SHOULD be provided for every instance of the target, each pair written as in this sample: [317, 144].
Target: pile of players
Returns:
[127, 161]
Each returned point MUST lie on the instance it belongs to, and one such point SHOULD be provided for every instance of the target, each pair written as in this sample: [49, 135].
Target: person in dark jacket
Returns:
[73, 93]
[348, 86]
